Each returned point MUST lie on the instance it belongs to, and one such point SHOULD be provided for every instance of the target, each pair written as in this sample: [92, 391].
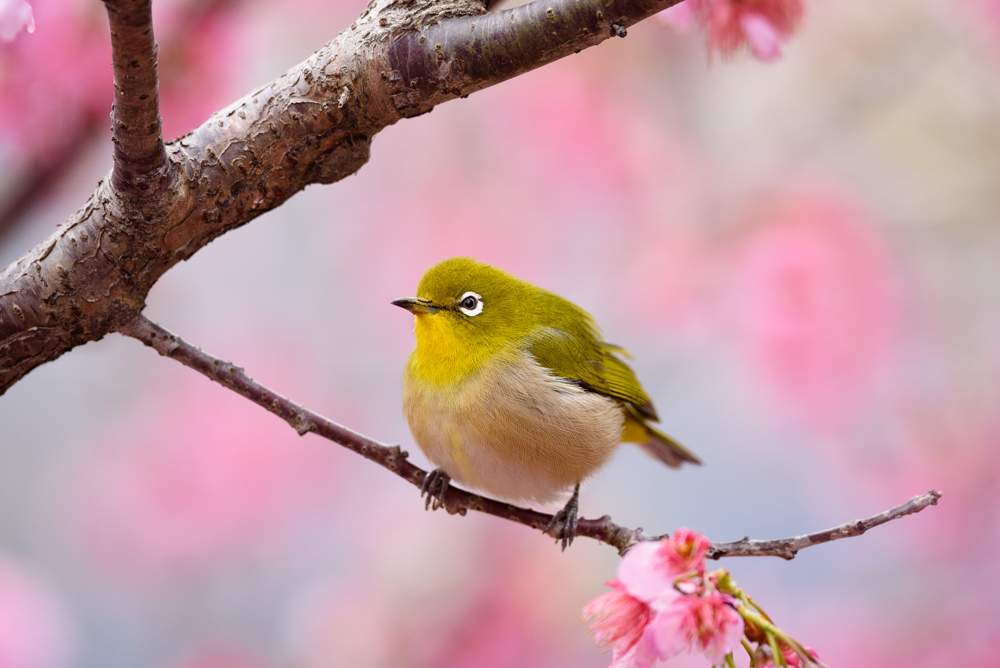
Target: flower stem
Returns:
[776, 653]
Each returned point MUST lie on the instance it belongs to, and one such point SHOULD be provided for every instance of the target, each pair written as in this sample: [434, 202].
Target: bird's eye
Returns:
[470, 304]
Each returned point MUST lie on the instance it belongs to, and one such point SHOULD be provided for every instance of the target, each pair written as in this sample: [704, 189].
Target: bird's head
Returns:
[467, 310]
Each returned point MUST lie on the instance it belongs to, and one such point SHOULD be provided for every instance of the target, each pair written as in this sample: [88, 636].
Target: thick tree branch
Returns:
[314, 124]
[140, 159]
[303, 421]
[468, 53]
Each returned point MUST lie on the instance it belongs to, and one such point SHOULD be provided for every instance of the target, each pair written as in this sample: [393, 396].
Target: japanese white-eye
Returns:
[510, 390]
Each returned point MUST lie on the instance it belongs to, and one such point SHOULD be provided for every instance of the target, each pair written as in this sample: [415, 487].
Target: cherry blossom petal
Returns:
[670, 630]
[641, 655]
[684, 552]
[729, 625]
[707, 624]
[640, 573]
[620, 621]
[762, 36]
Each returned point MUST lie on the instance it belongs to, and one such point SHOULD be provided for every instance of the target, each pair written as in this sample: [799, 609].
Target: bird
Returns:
[511, 391]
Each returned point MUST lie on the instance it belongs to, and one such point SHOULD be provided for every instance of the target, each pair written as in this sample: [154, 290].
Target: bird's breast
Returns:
[512, 428]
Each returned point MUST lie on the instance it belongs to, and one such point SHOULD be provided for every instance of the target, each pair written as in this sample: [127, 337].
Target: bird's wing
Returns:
[582, 357]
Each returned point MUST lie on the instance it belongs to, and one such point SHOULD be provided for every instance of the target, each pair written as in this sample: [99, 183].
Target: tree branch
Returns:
[140, 159]
[303, 421]
[314, 124]
[787, 548]
[464, 54]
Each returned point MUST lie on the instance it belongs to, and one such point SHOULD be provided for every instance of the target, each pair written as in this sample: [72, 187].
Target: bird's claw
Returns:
[435, 486]
[564, 523]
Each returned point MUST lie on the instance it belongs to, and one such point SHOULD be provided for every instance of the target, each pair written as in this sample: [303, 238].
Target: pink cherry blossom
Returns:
[683, 553]
[15, 15]
[642, 575]
[650, 569]
[761, 25]
[621, 621]
[647, 615]
[792, 659]
[708, 624]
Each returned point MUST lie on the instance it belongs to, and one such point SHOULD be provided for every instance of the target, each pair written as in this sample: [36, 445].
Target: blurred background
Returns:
[804, 258]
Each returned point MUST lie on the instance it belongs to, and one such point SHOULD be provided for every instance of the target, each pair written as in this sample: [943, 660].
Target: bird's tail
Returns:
[656, 443]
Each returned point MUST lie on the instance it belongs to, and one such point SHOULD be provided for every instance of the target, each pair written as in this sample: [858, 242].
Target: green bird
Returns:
[511, 390]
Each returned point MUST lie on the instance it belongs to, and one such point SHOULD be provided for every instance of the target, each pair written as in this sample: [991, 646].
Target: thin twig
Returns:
[303, 421]
[787, 548]
[139, 154]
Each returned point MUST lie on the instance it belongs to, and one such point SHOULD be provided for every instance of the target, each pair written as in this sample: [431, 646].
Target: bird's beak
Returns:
[416, 305]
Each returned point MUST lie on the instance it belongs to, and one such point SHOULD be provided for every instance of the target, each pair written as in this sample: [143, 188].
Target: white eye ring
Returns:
[470, 298]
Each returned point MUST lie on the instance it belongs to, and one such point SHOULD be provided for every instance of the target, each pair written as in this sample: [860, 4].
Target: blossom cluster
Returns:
[760, 25]
[663, 603]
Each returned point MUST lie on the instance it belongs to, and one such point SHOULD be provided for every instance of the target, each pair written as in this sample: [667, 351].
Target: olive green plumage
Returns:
[512, 390]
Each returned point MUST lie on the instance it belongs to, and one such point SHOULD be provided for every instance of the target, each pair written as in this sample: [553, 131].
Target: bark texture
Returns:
[314, 124]
[139, 156]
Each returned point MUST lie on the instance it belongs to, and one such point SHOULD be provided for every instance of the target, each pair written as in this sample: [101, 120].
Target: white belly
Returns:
[514, 431]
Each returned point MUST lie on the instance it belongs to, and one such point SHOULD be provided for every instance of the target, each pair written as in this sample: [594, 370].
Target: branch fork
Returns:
[162, 203]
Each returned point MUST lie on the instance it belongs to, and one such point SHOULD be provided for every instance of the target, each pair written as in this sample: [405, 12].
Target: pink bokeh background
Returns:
[803, 257]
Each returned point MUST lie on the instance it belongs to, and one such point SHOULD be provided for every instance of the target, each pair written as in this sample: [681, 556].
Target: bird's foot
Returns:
[564, 522]
[435, 485]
